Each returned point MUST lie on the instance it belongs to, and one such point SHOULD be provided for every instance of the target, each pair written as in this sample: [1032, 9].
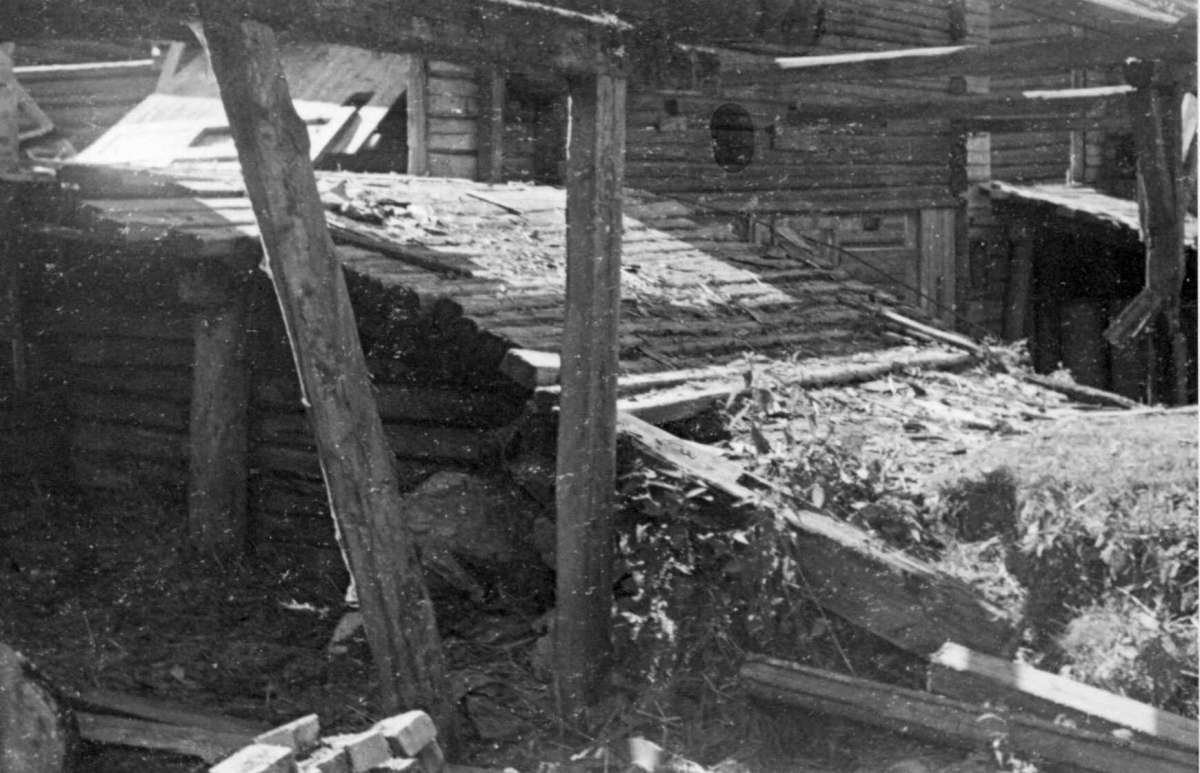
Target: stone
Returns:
[365, 750]
[408, 733]
[258, 758]
[327, 760]
[398, 765]
[299, 735]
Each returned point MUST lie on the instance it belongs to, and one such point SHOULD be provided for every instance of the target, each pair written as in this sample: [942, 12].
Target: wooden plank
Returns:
[208, 745]
[586, 461]
[165, 711]
[937, 269]
[490, 125]
[948, 721]
[217, 449]
[853, 575]
[417, 106]
[974, 110]
[958, 672]
[355, 456]
[1020, 282]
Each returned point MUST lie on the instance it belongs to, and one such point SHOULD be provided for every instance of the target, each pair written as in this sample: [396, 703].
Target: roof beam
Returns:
[516, 32]
[943, 61]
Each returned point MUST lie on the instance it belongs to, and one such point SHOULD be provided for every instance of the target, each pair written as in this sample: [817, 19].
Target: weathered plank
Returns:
[356, 459]
[417, 107]
[853, 575]
[586, 461]
[489, 143]
[944, 720]
[218, 443]
[958, 672]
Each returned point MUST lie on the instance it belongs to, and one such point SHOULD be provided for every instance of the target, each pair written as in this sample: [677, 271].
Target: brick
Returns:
[408, 733]
[327, 760]
[258, 758]
[431, 758]
[398, 765]
[299, 735]
[366, 750]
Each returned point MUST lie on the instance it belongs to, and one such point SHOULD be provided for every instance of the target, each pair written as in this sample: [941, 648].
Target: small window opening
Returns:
[732, 137]
[671, 106]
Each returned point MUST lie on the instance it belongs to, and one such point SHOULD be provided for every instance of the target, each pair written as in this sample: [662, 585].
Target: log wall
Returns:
[122, 351]
[1034, 156]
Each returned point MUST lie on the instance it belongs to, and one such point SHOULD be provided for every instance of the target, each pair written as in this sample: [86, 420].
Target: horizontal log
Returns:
[688, 400]
[948, 721]
[402, 403]
[121, 409]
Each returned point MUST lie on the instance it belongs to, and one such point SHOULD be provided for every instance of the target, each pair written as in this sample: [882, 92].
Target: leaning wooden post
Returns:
[586, 474]
[356, 460]
[218, 455]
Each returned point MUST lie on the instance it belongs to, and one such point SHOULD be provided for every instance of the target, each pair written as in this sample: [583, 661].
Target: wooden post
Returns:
[586, 474]
[217, 440]
[490, 142]
[417, 110]
[1077, 163]
[1155, 113]
[1020, 280]
[10, 264]
[356, 460]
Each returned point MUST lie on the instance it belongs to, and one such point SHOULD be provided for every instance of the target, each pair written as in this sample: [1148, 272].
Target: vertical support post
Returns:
[1077, 165]
[417, 110]
[489, 145]
[938, 268]
[586, 473]
[356, 459]
[218, 455]
[1020, 280]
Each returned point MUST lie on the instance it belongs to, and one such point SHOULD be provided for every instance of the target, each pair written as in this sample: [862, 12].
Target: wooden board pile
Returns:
[404, 742]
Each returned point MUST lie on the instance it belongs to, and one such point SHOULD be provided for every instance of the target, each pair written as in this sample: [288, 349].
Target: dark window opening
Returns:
[386, 150]
[732, 137]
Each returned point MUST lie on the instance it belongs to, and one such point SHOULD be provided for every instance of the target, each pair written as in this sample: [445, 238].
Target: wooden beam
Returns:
[357, 462]
[524, 34]
[875, 587]
[417, 115]
[1038, 56]
[218, 456]
[587, 435]
[489, 146]
[1155, 108]
[975, 112]
[208, 745]
[959, 672]
[948, 721]
[1020, 283]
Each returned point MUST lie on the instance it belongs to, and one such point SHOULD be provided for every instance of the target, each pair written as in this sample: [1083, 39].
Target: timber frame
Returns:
[501, 34]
